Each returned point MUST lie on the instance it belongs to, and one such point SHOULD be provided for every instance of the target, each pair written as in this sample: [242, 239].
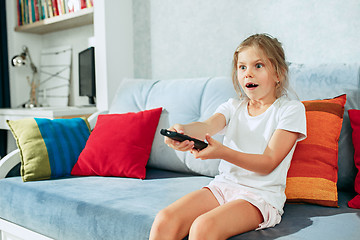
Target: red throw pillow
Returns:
[354, 116]
[119, 145]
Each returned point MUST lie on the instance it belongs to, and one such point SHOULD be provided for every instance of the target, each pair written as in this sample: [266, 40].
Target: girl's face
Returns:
[256, 75]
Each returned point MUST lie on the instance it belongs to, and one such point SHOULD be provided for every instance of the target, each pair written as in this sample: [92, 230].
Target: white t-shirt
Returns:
[249, 134]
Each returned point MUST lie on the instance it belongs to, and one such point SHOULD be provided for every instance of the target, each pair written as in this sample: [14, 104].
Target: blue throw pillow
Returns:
[49, 148]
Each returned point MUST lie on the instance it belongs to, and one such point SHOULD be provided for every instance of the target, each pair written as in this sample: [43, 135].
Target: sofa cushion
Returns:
[355, 124]
[124, 208]
[49, 148]
[310, 222]
[184, 101]
[92, 207]
[312, 175]
[119, 145]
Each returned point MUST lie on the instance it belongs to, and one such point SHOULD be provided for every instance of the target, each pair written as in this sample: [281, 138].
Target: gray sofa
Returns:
[123, 208]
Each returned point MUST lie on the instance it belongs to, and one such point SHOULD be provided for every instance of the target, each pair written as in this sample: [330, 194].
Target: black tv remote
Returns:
[198, 144]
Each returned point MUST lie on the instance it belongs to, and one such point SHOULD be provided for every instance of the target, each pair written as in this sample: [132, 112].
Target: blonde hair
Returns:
[272, 49]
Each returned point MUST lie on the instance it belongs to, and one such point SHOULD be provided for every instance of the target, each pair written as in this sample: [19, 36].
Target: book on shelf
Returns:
[30, 11]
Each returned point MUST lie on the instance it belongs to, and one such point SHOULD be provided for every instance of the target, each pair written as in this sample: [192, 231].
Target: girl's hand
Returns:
[180, 146]
[212, 151]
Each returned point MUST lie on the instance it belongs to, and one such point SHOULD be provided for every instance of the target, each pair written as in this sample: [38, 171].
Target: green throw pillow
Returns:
[49, 148]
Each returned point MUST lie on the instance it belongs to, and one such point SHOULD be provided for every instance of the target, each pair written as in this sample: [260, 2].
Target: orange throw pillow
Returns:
[313, 171]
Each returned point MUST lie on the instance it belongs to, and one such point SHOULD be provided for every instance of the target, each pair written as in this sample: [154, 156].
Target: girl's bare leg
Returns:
[174, 221]
[230, 219]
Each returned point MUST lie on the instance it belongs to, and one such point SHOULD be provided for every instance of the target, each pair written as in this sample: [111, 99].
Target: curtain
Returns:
[4, 74]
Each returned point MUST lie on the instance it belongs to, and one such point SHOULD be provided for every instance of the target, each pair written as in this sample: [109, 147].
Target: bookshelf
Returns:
[61, 22]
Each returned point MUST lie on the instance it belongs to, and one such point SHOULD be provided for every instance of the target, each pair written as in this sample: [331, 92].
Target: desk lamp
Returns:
[21, 60]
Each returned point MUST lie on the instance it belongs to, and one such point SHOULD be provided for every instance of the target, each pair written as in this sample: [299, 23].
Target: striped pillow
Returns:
[49, 148]
[312, 175]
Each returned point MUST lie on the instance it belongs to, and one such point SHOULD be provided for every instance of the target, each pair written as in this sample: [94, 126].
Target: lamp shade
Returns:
[22, 59]
[18, 60]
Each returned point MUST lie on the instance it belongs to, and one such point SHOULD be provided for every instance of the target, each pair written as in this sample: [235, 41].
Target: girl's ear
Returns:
[277, 80]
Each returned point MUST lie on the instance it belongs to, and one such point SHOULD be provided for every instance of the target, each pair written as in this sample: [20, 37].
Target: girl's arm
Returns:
[196, 130]
[279, 146]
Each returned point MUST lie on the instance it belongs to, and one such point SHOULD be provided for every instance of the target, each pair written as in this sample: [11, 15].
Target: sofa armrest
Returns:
[9, 162]
[93, 117]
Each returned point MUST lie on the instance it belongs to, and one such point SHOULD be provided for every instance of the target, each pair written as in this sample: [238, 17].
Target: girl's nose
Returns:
[249, 73]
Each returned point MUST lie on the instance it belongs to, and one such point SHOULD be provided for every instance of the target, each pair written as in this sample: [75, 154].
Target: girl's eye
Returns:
[259, 65]
[242, 67]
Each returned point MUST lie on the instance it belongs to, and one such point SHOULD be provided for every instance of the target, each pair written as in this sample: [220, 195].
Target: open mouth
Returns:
[251, 85]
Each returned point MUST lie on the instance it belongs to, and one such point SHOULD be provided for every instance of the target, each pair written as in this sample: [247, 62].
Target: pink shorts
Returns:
[225, 192]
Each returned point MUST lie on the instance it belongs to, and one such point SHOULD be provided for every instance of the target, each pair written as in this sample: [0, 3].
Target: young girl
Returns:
[261, 130]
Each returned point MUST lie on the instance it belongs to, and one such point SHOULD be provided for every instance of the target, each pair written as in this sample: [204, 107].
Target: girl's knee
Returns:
[162, 219]
[203, 227]
[164, 225]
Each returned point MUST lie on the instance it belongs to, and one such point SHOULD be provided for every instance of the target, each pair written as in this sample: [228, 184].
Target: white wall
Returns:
[190, 38]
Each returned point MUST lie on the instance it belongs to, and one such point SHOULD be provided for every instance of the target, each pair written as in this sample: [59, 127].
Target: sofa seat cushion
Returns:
[308, 222]
[123, 208]
[92, 207]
